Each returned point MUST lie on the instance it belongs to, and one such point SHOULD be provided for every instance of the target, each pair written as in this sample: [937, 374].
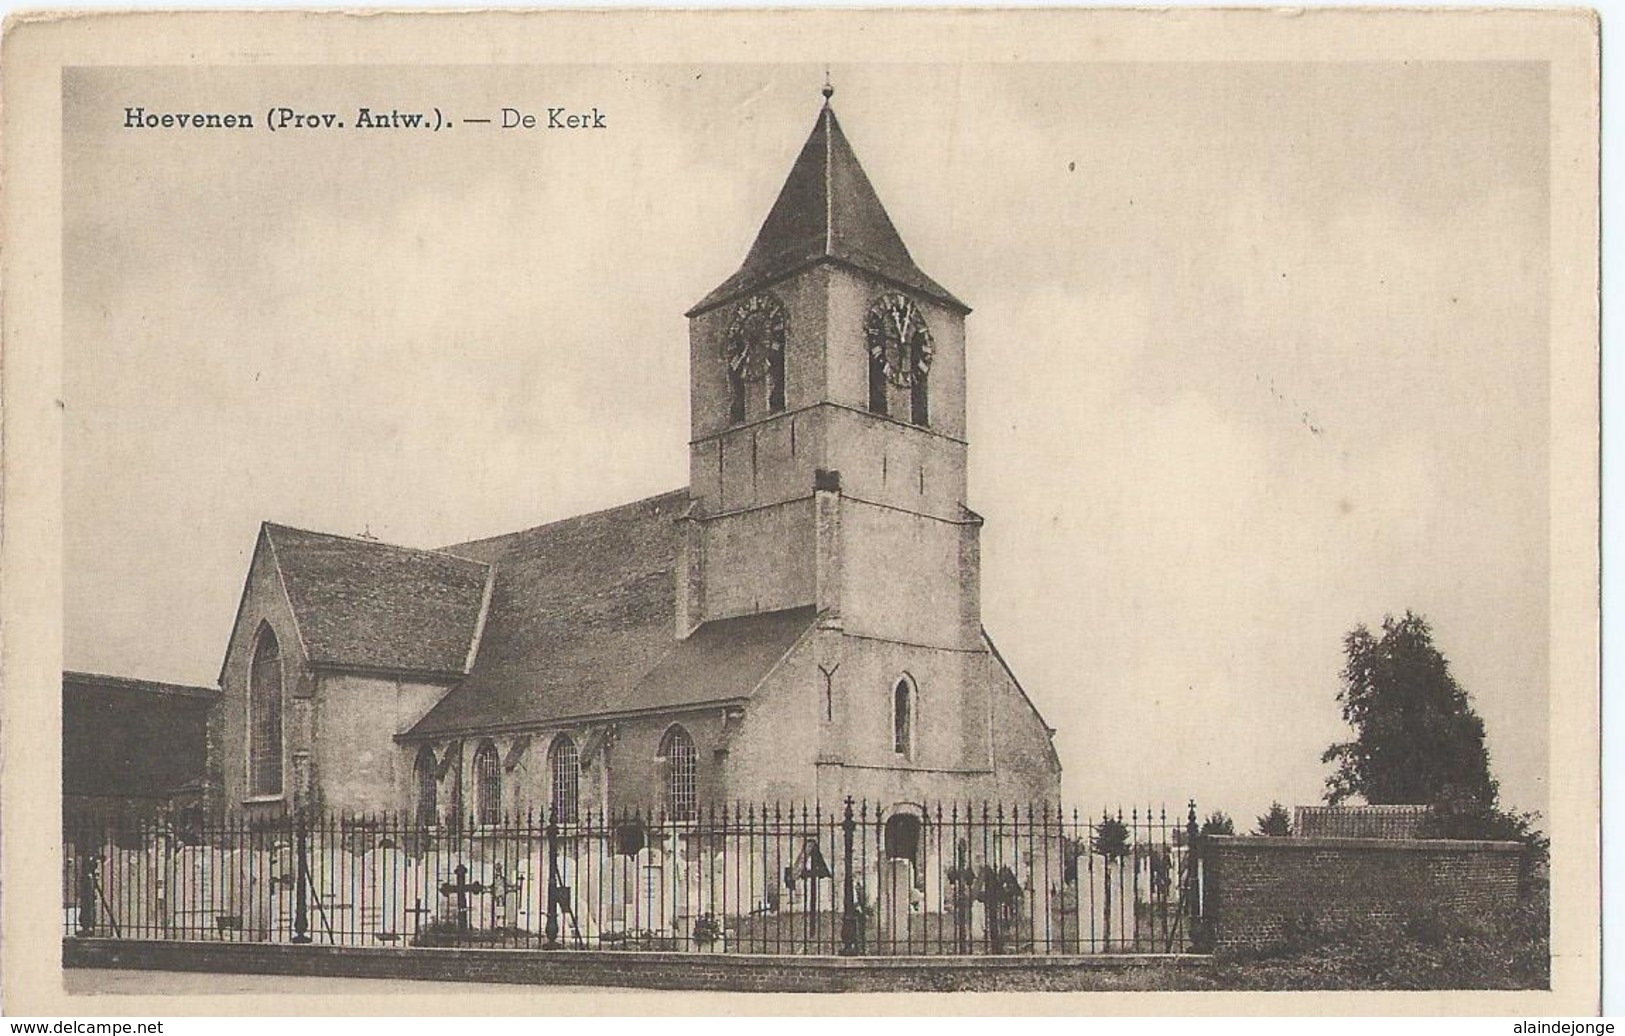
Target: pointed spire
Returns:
[826, 211]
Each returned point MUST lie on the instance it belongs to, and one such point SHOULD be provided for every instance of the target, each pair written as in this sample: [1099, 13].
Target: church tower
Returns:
[828, 447]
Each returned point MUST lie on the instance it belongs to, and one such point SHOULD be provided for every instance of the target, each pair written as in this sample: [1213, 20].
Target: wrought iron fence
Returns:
[949, 879]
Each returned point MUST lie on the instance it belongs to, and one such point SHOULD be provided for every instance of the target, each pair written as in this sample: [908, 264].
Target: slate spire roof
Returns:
[826, 211]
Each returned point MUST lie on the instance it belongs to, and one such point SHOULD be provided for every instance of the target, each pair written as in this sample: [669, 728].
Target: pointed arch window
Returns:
[265, 716]
[564, 762]
[902, 716]
[487, 784]
[682, 774]
[428, 788]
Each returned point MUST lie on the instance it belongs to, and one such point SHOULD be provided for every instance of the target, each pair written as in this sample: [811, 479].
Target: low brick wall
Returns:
[691, 971]
[1256, 887]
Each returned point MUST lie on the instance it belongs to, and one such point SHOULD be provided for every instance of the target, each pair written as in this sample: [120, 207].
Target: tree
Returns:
[1417, 739]
[1218, 822]
[1111, 842]
[1276, 823]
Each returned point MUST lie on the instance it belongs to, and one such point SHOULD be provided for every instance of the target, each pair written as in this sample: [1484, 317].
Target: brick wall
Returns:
[1256, 887]
[691, 971]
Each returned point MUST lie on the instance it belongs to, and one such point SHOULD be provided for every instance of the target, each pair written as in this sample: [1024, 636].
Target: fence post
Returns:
[849, 906]
[87, 894]
[301, 892]
[552, 931]
[1192, 837]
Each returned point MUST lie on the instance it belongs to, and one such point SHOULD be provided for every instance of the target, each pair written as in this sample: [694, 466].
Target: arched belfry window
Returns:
[877, 385]
[900, 350]
[487, 784]
[682, 774]
[903, 707]
[753, 348]
[564, 763]
[265, 716]
[428, 788]
[919, 376]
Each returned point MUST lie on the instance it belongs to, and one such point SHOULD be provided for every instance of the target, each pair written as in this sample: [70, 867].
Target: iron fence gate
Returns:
[947, 879]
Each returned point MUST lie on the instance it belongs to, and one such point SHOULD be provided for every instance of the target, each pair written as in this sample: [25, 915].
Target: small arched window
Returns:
[902, 717]
[487, 784]
[265, 716]
[428, 788]
[564, 761]
[682, 774]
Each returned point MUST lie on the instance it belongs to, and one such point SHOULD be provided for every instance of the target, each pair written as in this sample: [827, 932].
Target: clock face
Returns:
[897, 336]
[754, 336]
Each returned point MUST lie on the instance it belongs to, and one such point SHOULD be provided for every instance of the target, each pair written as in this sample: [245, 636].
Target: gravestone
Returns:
[385, 880]
[652, 909]
[335, 877]
[192, 890]
[129, 891]
[896, 899]
[506, 893]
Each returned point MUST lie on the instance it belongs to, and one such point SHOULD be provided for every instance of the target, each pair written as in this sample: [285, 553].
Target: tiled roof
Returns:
[579, 609]
[363, 604]
[827, 209]
[720, 661]
[581, 623]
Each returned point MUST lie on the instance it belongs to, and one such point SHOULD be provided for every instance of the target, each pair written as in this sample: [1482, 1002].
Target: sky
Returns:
[1258, 352]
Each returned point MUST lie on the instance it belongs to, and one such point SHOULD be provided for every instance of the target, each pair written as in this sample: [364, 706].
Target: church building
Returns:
[800, 623]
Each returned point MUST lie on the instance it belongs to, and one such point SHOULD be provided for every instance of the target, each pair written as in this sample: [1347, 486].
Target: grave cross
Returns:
[461, 888]
[418, 911]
